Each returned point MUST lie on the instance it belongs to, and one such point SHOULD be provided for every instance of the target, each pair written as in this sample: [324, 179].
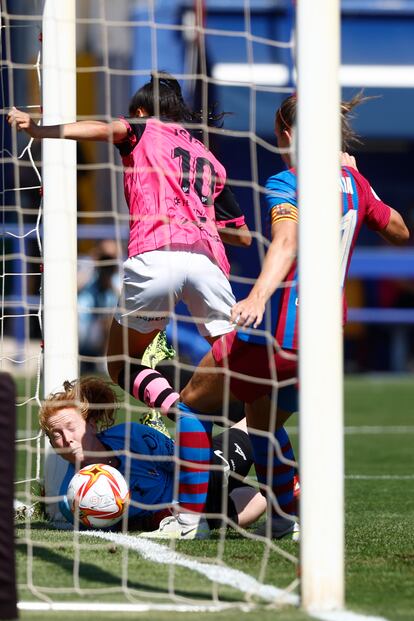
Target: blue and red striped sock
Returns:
[282, 477]
[194, 445]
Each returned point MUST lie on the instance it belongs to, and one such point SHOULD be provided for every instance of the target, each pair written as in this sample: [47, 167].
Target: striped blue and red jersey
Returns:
[360, 205]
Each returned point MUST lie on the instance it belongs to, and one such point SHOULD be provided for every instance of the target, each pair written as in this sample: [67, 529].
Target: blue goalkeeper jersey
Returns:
[150, 479]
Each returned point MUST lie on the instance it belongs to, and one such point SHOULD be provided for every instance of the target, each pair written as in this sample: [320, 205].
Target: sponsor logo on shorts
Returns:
[144, 318]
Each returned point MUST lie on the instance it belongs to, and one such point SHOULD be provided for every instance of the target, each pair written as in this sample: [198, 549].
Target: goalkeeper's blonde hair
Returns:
[93, 397]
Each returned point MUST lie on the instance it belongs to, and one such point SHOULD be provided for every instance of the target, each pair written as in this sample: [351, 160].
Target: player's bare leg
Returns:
[125, 350]
[258, 415]
[205, 390]
[125, 342]
[249, 503]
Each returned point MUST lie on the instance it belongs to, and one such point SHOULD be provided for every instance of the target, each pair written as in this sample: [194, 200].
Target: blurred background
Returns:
[244, 52]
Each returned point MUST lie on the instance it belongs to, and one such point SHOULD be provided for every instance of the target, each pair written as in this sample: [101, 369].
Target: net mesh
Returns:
[21, 319]
[231, 57]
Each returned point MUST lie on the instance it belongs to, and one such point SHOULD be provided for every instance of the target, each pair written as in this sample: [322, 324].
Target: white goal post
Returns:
[60, 328]
[320, 333]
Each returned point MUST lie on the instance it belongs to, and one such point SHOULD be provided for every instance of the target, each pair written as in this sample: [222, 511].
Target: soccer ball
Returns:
[99, 494]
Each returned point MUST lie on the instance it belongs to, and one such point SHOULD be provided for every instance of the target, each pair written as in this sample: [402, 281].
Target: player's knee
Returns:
[189, 393]
[250, 505]
[185, 397]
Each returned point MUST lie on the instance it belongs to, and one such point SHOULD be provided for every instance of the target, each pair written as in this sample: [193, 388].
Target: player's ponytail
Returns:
[162, 97]
[349, 135]
[286, 117]
[167, 80]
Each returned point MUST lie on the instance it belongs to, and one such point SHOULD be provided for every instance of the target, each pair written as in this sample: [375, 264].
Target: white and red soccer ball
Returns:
[99, 495]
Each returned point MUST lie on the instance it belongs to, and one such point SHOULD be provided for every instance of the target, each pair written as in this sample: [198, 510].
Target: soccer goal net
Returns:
[64, 238]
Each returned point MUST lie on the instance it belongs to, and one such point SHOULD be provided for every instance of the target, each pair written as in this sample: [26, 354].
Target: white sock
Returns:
[190, 519]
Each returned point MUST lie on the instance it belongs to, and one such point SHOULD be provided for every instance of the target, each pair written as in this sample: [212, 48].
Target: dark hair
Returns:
[286, 117]
[162, 97]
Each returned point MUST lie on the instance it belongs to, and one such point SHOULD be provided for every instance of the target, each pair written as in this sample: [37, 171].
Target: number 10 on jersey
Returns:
[196, 172]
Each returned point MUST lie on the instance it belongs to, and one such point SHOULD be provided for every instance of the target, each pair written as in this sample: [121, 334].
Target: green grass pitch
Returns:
[379, 532]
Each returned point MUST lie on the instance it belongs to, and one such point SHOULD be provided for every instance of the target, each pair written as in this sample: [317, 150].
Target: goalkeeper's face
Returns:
[71, 435]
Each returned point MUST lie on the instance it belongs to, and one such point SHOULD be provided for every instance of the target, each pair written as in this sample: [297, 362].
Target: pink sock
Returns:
[154, 390]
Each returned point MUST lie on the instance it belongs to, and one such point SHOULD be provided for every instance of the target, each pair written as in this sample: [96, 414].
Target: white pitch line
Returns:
[120, 607]
[216, 573]
[223, 575]
[367, 430]
[338, 615]
[344, 615]
[380, 477]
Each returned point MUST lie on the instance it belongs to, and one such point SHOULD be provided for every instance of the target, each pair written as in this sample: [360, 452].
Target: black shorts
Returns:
[236, 455]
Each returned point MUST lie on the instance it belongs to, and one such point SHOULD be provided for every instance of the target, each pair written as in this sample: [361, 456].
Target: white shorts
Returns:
[154, 282]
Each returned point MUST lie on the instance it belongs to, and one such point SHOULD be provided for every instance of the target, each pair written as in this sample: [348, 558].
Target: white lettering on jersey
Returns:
[348, 224]
[346, 185]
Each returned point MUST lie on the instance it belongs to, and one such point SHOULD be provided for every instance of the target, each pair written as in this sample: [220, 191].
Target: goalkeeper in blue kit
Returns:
[80, 422]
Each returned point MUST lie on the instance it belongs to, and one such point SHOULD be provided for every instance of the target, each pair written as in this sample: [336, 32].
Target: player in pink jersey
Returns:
[178, 202]
[249, 352]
